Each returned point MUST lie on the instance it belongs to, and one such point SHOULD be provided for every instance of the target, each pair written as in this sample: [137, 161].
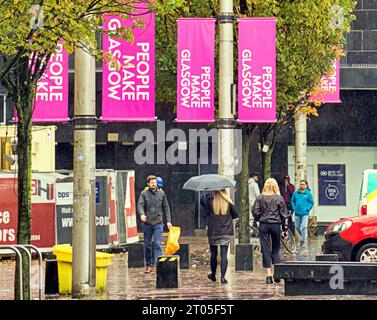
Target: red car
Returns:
[353, 239]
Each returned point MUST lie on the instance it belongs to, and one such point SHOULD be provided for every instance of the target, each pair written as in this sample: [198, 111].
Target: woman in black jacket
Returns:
[271, 212]
[220, 212]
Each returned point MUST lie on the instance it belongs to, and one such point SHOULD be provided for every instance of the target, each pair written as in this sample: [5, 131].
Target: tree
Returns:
[310, 36]
[29, 34]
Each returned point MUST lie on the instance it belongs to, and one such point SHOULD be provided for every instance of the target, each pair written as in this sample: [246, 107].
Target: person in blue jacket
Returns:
[302, 202]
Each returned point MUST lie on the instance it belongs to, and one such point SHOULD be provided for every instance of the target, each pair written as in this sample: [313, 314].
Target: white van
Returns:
[368, 193]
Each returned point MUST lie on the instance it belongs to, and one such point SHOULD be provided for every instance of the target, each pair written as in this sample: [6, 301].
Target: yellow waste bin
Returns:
[63, 254]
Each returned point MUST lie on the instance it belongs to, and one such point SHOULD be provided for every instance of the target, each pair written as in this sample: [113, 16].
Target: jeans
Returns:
[269, 234]
[301, 223]
[155, 231]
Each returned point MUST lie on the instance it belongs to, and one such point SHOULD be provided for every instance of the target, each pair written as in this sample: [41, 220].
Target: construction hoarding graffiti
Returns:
[52, 208]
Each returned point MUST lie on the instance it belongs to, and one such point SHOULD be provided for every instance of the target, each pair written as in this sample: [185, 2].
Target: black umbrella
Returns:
[209, 182]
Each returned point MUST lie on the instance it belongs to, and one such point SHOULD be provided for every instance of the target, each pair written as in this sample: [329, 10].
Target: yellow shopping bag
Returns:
[172, 245]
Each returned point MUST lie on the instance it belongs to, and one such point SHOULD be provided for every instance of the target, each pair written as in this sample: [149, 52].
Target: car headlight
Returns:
[340, 226]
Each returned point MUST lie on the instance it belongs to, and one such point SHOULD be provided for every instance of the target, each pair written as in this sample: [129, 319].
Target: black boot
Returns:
[211, 276]
[223, 280]
[276, 280]
[269, 280]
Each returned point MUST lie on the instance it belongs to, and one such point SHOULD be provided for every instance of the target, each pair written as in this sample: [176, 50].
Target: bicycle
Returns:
[287, 239]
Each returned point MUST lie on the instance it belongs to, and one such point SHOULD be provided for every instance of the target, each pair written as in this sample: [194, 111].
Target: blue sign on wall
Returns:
[331, 185]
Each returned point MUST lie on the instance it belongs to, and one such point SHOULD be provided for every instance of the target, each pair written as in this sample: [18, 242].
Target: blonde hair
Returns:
[271, 187]
[221, 202]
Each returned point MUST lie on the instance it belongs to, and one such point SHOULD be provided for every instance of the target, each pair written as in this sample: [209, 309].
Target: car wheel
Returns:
[367, 253]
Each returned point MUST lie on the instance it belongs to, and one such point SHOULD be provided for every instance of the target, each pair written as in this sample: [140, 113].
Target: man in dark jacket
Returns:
[152, 207]
[287, 190]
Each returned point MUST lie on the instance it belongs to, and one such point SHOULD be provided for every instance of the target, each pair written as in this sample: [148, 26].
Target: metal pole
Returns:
[40, 270]
[84, 255]
[18, 253]
[19, 246]
[226, 121]
[198, 204]
[300, 146]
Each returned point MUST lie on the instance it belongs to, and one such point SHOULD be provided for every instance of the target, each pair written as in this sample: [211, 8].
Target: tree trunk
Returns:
[300, 147]
[24, 138]
[267, 163]
[243, 191]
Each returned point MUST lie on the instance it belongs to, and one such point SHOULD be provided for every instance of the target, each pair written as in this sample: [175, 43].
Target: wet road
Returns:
[132, 284]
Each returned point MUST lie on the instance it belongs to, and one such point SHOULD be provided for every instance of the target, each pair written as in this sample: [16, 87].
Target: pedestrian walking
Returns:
[287, 190]
[160, 183]
[220, 211]
[152, 207]
[254, 192]
[271, 212]
[302, 202]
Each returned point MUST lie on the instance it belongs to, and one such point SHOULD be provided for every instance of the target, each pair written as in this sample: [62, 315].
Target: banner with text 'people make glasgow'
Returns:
[51, 98]
[128, 86]
[328, 90]
[257, 70]
[195, 70]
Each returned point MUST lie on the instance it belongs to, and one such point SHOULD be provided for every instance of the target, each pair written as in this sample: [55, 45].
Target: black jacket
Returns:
[218, 225]
[154, 204]
[270, 209]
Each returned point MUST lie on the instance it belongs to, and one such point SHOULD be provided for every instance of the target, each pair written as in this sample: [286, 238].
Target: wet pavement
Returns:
[132, 284]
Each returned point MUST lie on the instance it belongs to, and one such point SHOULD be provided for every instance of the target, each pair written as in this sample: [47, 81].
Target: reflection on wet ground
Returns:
[132, 284]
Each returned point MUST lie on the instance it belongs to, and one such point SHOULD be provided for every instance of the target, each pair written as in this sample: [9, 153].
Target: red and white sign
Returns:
[8, 211]
[130, 209]
[113, 229]
[42, 207]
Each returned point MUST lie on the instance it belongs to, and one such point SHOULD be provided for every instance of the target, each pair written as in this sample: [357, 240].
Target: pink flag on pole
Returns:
[128, 91]
[195, 70]
[256, 70]
[328, 91]
[51, 98]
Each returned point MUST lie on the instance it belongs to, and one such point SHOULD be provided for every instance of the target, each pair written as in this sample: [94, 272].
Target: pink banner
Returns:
[195, 70]
[257, 70]
[328, 90]
[51, 99]
[128, 92]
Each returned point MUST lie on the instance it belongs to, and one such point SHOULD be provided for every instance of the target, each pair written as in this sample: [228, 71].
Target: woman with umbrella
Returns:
[220, 211]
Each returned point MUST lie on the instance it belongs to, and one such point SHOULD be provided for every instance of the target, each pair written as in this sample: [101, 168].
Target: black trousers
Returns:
[269, 234]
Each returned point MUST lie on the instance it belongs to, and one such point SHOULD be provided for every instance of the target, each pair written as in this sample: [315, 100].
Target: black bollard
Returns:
[244, 257]
[51, 277]
[136, 255]
[184, 256]
[167, 272]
